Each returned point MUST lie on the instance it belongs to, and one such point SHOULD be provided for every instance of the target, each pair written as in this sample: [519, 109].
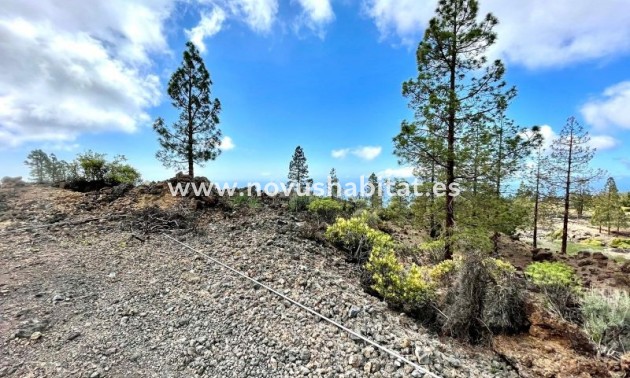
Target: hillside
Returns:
[89, 300]
[91, 287]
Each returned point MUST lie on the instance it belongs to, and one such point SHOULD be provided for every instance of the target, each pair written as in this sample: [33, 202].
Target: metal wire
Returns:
[336, 324]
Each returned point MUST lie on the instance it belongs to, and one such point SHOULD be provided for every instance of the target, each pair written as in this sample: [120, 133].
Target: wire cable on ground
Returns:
[336, 324]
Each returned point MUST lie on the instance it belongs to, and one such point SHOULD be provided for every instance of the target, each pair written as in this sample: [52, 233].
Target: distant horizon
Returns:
[327, 78]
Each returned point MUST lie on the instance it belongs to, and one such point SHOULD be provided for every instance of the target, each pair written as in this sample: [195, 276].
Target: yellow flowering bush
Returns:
[355, 236]
[444, 269]
[416, 288]
[386, 272]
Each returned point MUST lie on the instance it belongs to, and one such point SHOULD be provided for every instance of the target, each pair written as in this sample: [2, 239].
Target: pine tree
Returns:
[194, 138]
[298, 170]
[570, 157]
[581, 196]
[374, 190]
[541, 185]
[399, 195]
[55, 169]
[335, 189]
[608, 210]
[38, 161]
[454, 96]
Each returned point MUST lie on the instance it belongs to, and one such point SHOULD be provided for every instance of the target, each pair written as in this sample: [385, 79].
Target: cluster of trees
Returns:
[461, 132]
[88, 167]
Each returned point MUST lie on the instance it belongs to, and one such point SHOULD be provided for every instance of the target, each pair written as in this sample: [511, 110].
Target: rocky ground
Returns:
[80, 296]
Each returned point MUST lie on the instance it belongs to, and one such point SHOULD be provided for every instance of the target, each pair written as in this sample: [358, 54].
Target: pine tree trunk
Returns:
[191, 167]
[567, 193]
[536, 205]
[450, 160]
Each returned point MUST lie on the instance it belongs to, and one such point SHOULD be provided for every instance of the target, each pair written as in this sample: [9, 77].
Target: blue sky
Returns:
[325, 75]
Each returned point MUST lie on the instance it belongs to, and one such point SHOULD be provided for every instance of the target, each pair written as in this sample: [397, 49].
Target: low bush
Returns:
[504, 304]
[326, 209]
[485, 298]
[385, 271]
[434, 250]
[551, 274]
[356, 237]
[120, 173]
[556, 235]
[593, 243]
[371, 218]
[410, 290]
[465, 301]
[606, 316]
[620, 243]
[560, 285]
[245, 201]
[12, 181]
[298, 204]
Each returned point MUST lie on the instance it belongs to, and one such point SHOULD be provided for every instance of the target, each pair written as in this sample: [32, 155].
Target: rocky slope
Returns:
[86, 299]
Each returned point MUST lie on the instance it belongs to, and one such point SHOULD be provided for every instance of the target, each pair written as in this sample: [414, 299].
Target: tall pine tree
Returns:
[608, 208]
[298, 170]
[38, 161]
[454, 96]
[374, 191]
[570, 157]
[335, 188]
[194, 138]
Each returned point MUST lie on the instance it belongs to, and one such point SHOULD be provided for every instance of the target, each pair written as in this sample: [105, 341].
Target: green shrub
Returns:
[356, 237]
[620, 243]
[251, 202]
[386, 272]
[371, 218]
[606, 316]
[559, 284]
[326, 209]
[121, 173]
[299, 204]
[93, 164]
[593, 242]
[416, 288]
[391, 213]
[444, 270]
[434, 249]
[551, 273]
[412, 290]
[556, 235]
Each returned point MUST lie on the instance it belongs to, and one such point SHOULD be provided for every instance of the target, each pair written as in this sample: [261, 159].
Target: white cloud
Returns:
[402, 172]
[548, 136]
[533, 33]
[363, 152]
[209, 25]
[227, 144]
[405, 18]
[603, 142]
[367, 153]
[612, 109]
[316, 14]
[258, 14]
[340, 154]
[81, 67]
[547, 133]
